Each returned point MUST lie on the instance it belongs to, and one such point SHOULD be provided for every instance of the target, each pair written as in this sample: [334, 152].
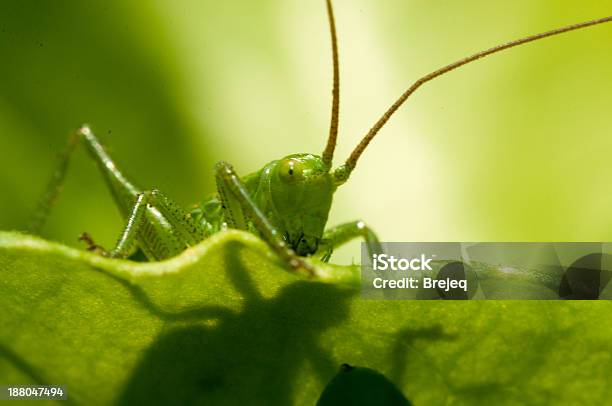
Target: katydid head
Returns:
[300, 193]
[296, 192]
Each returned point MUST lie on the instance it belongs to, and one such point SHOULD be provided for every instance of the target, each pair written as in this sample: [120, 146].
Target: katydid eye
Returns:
[291, 170]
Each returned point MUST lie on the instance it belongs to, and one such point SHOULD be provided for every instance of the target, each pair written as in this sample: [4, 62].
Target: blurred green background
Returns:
[515, 147]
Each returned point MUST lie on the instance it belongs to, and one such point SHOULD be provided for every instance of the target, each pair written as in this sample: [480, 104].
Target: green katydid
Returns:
[286, 202]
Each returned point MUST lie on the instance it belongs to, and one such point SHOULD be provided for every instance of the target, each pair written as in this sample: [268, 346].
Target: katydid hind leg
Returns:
[159, 227]
[126, 243]
[154, 223]
[124, 192]
[189, 231]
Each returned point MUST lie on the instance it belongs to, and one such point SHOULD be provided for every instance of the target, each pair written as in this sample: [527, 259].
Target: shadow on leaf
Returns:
[252, 357]
[215, 355]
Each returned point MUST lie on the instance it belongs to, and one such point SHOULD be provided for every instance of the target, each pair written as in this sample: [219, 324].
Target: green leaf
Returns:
[224, 323]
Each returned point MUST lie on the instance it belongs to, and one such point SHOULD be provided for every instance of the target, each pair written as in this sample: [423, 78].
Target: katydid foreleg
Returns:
[239, 208]
[343, 233]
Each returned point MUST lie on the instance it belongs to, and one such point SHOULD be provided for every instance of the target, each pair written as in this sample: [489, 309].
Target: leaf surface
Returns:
[224, 323]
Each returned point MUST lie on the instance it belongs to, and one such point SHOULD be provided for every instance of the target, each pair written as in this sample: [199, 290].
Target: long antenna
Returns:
[343, 172]
[328, 153]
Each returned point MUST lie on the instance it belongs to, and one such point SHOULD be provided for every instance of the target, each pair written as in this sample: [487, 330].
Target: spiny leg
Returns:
[123, 191]
[125, 246]
[239, 207]
[159, 226]
[129, 236]
[54, 187]
[189, 231]
[339, 235]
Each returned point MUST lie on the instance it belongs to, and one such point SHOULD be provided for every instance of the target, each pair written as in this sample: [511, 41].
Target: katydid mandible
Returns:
[287, 202]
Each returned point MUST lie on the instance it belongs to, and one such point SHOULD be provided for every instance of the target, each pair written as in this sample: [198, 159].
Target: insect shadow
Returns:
[254, 356]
